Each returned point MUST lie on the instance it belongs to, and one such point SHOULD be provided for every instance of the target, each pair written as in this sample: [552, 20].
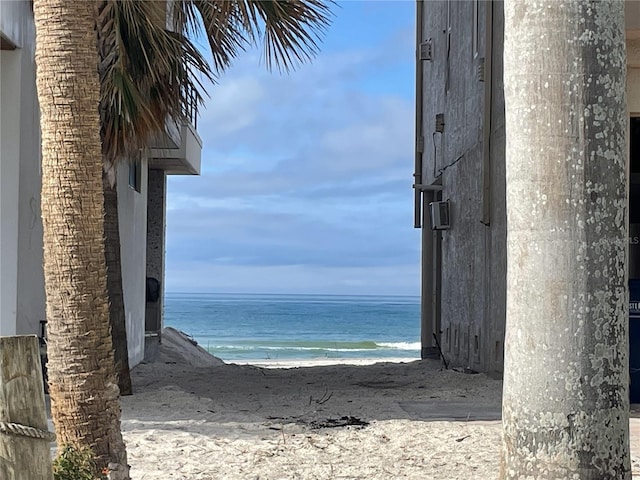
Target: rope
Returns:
[24, 431]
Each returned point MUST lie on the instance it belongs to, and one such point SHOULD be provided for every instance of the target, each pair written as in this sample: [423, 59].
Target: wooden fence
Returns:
[25, 452]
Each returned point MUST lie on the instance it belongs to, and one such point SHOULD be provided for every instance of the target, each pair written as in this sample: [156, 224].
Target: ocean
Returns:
[245, 328]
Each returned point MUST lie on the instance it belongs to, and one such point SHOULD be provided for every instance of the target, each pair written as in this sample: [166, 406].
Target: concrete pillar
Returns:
[156, 215]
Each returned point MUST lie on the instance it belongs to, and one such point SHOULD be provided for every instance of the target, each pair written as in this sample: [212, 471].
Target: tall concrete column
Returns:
[156, 215]
[428, 306]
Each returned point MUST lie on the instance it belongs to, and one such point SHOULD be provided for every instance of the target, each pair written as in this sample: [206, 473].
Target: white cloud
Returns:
[306, 183]
[373, 148]
[231, 108]
[391, 280]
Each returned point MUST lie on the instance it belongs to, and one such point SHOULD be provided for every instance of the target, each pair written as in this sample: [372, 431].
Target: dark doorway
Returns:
[635, 145]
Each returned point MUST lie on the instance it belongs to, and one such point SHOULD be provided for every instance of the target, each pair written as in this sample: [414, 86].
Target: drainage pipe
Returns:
[428, 302]
[485, 330]
[419, 146]
[486, 130]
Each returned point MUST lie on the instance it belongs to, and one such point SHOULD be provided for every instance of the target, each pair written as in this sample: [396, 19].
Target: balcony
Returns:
[179, 150]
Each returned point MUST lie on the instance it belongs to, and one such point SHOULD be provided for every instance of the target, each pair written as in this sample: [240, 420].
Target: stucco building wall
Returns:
[132, 213]
[633, 57]
[22, 297]
[462, 82]
[463, 158]
[22, 304]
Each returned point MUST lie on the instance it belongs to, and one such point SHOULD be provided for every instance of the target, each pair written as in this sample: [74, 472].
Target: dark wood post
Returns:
[25, 451]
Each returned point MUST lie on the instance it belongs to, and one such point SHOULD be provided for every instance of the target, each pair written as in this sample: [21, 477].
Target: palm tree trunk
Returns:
[84, 393]
[565, 398]
[117, 317]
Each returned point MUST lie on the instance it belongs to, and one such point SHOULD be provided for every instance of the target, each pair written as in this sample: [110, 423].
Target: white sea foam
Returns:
[326, 347]
[401, 345]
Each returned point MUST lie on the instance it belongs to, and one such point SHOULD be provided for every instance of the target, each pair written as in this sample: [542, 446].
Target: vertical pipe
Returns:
[428, 304]
[486, 124]
[437, 281]
[486, 324]
[417, 173]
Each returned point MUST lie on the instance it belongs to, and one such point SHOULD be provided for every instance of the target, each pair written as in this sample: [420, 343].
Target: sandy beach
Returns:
[376, 421]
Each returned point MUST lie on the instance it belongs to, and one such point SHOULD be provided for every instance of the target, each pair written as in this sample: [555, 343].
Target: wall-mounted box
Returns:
[439, 215]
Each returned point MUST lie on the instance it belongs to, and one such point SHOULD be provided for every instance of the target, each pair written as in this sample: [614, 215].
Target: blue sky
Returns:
[306, 177]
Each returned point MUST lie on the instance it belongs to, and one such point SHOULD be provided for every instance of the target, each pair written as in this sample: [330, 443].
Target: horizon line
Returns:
[295, 294]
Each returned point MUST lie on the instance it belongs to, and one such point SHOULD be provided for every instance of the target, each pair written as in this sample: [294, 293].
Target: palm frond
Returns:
[148, 75]
[292, 29]
[289, 30]
[215, 20]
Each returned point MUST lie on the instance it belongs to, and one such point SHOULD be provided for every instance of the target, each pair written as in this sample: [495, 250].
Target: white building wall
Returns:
[9, 171]
[30, 282]
[132, 212]
[16, 23]
[22, 298]
[21, 277]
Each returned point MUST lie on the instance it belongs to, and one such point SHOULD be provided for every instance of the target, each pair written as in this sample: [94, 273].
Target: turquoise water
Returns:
[298, 327]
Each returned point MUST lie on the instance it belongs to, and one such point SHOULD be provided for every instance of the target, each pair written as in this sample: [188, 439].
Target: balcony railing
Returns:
[190, 107]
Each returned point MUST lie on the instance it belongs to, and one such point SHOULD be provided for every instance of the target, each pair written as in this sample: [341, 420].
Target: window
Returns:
[135, 174]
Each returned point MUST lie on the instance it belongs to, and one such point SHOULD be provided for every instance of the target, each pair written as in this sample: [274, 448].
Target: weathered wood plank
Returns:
[22, 402]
